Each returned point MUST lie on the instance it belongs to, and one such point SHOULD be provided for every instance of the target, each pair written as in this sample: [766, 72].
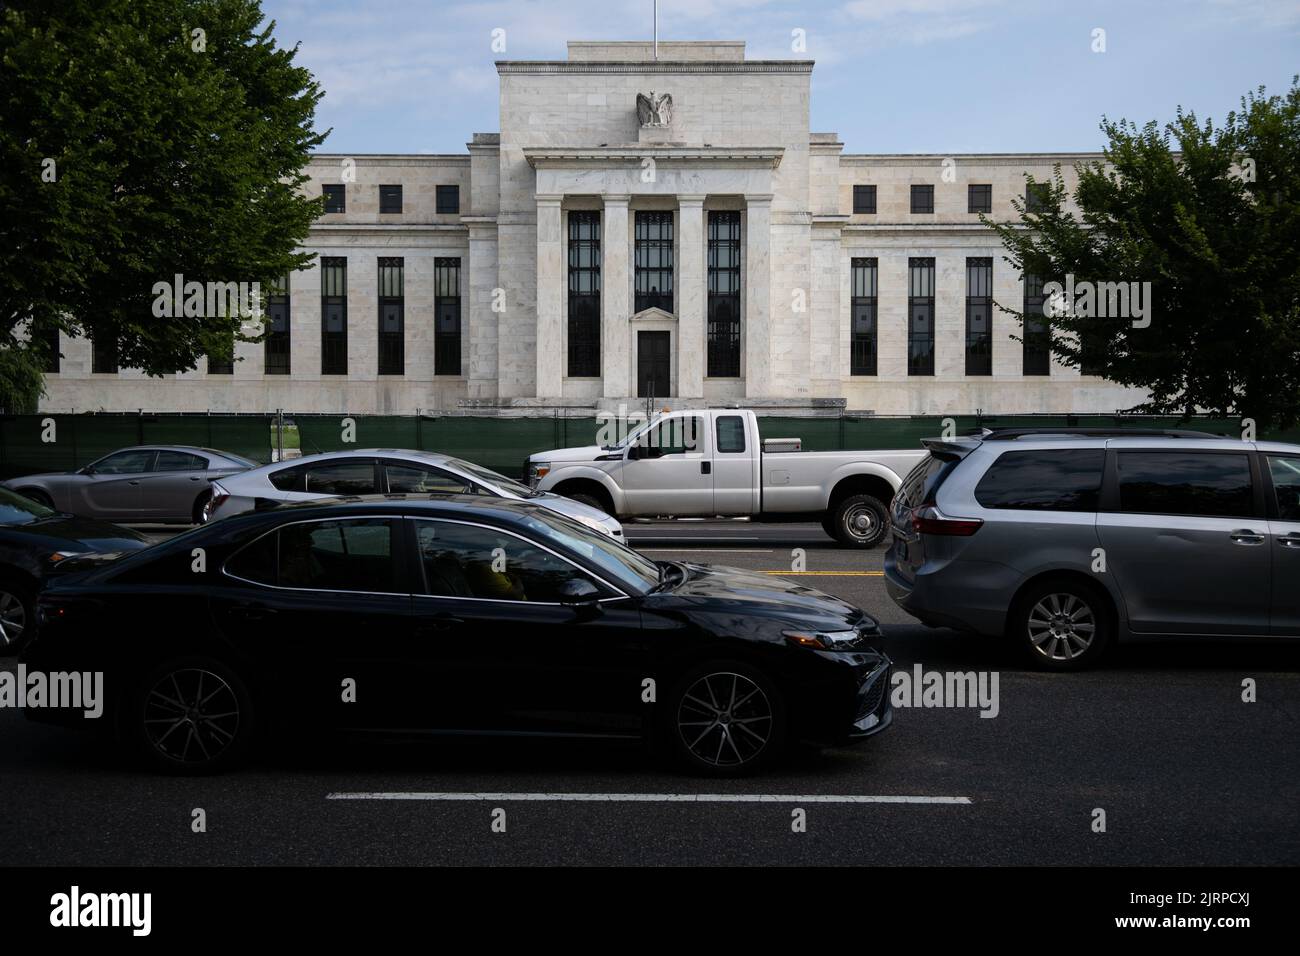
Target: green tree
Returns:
[1211, 218]
[140, 139]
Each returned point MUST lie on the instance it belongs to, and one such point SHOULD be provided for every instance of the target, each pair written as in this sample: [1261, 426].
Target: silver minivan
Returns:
[1066, 540]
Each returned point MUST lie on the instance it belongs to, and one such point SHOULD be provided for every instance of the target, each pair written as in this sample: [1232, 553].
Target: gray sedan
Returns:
[168, 484]
[385, 471]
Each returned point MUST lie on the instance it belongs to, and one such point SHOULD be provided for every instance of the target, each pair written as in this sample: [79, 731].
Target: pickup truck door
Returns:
[669, 469]
[735, 475]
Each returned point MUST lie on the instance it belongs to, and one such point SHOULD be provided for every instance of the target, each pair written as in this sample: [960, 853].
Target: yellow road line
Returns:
[833, 574]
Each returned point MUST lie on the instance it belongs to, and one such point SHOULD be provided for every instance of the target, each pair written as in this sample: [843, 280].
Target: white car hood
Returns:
[582, 453]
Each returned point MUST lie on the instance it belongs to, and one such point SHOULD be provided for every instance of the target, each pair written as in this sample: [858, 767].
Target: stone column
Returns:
[692, 297]
[758, 295]
[550, 297]
[615, 332]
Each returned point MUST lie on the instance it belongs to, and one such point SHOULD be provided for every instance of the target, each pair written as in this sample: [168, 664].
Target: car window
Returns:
[345, 555]
[15, 509]
[471, 561]
[731, 434]
[180, 461]
[422, 480]
[1286, 486]
[286, 479]
[256, 561]
[1206, 484]
[125, 463]
[1068, 479]
[683, 434]
[923, 481]
[349, 476]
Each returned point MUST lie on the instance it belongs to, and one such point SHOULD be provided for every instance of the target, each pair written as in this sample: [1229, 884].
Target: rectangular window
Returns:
[392, 316]
[731, 434]
[584, 293]
[979, 316]
[862, 318]
[922, 199]
[724, 295]
[920, 316]
[1064, 480]
[979, 197]
[49, 339]
[1202, 484]
[448, 199]
[103, 355]
[446, 311]
[390, 199]
[276, 343]
[223, 362]
[352, 555]
[1037, 197]
[335, 197]
[1285, 474]
[864, 200]
[334, 315]
[1036, 337]
[654, 261]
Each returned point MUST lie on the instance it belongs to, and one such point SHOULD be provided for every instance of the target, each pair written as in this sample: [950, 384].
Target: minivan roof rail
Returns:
[1010, 434]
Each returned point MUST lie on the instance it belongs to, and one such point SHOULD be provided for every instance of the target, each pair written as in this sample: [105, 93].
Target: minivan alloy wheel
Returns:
[725, 719]
[1061, 626]
[191, 715]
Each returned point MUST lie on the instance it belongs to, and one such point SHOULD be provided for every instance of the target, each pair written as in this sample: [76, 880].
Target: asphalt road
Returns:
[1158, 738]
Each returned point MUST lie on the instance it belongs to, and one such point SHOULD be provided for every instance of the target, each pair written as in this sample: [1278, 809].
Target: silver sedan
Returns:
[167, 484]
[385, 471]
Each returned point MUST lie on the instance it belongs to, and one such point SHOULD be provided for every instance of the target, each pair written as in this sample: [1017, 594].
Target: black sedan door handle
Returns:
[255, 612]
[440, 622]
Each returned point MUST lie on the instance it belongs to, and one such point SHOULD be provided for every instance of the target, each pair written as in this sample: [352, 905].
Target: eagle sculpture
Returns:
[654, 110]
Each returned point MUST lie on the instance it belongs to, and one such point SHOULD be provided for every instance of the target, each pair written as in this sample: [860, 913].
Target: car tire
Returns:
[200, 514]
[17, 615]
[1061, 625]
[724, 719]
[859, 521]
[189, 716]
[591, 501]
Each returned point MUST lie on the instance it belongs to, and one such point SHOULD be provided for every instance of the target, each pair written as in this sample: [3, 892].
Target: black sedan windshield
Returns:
[15, 509]
[630, 570]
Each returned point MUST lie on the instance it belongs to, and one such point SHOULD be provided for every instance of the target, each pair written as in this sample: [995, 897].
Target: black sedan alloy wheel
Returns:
[725, 720]
[191, 716]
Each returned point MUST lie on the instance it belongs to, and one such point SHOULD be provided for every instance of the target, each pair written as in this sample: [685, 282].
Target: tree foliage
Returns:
[133, 149]
[1210, 216]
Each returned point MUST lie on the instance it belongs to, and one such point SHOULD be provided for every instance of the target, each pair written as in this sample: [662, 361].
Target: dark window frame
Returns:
[447, 199]
[390, 199]
[277, 346]
[979, 298]
[447, 306]
[586, 230]
[1036, 341]
[335, 195]
[724, 284]
[979, 197]
[654, 234]
[104, 356]
[864, 310]
[921, 347]
[391, 274]
[334, 293]
[1036, 197]
[924, 192]
[864, 199]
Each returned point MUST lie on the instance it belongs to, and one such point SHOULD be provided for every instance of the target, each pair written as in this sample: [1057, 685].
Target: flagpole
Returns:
[656, 29]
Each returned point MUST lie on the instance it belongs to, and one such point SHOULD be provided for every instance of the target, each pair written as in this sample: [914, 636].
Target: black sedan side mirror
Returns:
[578, 592]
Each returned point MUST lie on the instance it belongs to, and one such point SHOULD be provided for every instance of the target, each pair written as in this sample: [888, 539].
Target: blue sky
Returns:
[892, 76]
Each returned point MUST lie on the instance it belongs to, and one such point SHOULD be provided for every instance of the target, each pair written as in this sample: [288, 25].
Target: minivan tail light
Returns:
[930, 520]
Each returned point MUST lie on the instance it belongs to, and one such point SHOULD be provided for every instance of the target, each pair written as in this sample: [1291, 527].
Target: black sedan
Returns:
[454, 615]
[34, 540]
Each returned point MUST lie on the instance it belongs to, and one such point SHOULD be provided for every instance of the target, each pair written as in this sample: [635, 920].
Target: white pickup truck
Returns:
[712, 462]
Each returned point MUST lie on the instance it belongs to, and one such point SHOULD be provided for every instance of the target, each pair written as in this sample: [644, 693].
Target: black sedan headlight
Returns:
[850, 639]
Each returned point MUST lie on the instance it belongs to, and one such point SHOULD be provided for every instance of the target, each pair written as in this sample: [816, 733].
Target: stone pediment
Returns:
[653, 314]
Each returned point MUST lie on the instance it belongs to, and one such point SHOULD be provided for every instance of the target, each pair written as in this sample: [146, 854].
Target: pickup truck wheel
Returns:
[591, 501]
[859, 522]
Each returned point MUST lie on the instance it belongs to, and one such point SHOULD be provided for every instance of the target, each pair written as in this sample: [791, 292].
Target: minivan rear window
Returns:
[1064, 479]
[923, 481]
